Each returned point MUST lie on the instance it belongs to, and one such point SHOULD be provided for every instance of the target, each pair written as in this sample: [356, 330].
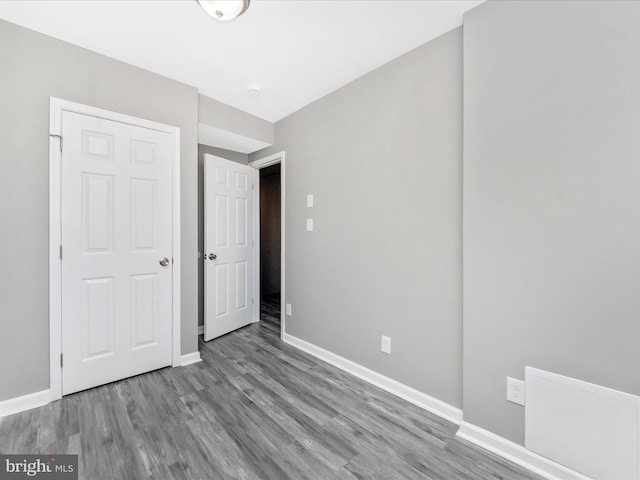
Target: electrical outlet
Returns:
[385, 345]
[309, 224]
[288, 309]
[515, 391]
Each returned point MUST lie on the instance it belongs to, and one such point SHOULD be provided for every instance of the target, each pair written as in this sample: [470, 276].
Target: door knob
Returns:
[212, 256]
[164, 261]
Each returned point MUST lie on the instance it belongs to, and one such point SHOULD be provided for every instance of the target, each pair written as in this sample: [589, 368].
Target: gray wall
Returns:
[35, 67]
[270, 230]
[229, 155]
[383, 158]
[551, 196]
[220, 115]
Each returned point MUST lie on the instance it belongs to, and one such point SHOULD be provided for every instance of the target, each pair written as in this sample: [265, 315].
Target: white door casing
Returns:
[229, 246]
[112, 301]
[259, 164]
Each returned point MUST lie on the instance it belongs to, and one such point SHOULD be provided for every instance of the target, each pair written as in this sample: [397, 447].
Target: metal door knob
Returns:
[164, 261]
[212, 256]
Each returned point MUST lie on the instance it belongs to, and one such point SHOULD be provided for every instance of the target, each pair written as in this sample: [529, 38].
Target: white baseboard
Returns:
[398, 389]
[517, 454]
[200, 329]
[25, 402]
[190, 358]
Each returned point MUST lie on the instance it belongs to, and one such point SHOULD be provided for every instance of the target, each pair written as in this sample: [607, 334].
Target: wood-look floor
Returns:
[270, 308]
[255, 408]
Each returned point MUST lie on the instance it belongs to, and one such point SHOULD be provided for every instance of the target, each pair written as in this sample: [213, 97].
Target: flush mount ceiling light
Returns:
[224, 10]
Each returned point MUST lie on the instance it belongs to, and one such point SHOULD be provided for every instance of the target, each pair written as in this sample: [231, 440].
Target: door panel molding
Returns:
[99, 146]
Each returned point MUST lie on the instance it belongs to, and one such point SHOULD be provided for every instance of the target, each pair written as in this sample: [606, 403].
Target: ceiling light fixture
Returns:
[224, 10]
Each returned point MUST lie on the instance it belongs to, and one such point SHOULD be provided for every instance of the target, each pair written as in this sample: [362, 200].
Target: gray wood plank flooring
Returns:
[270, 308]
[256, 409]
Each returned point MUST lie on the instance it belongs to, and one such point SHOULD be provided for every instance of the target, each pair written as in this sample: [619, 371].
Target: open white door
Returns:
[116, 205]
[229, 244]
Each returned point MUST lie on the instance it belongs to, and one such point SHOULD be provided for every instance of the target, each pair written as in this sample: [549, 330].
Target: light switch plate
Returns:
[288, 309]
[385, 345]
[310, 200]
[309, 224]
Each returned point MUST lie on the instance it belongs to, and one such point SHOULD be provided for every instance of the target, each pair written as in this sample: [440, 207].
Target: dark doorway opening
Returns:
[270, 222]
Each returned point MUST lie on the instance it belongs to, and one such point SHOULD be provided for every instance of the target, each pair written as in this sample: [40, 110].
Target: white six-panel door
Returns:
[116, 232]
[229, 260]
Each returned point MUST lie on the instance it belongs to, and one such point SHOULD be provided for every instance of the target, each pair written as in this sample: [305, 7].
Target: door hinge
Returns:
[60, 252]
[57, 136]
[61, 361]
[252, 186]
[252, 301]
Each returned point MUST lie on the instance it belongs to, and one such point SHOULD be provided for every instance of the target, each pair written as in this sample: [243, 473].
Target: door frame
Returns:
[258, 165]
[57, 107]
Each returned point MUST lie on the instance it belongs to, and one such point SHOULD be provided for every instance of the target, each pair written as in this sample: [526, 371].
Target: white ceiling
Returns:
[296, 50]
